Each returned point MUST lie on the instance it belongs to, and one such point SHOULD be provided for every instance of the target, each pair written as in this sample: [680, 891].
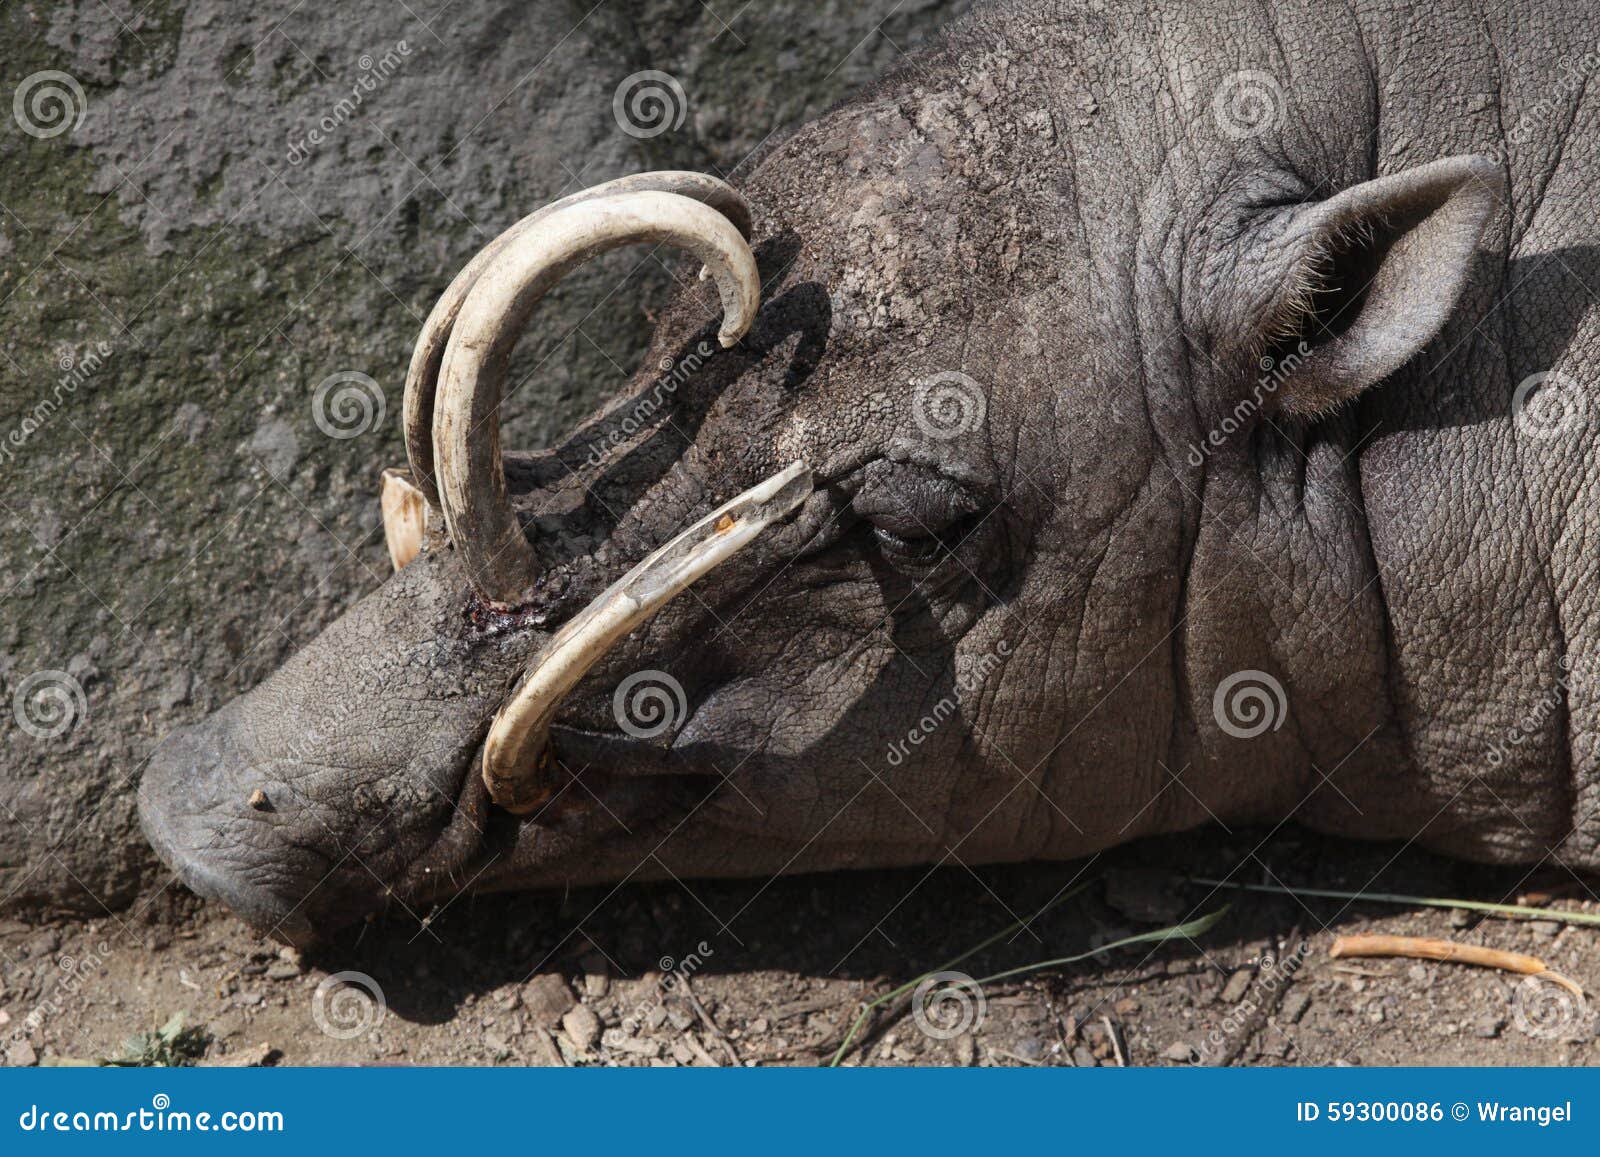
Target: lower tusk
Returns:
[517, 748]
[405, 516]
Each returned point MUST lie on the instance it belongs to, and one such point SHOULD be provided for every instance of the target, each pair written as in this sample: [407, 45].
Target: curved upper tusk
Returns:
[422, 379]
[516, 749]
[499, 560]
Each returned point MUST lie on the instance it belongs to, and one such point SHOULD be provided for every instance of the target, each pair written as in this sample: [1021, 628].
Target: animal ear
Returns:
[1350, 288]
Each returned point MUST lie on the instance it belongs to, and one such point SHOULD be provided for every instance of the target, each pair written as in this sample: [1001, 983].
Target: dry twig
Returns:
[1426, 948]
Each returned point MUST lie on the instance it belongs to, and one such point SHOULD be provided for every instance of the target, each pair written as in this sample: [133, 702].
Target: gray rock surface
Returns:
[220, 229]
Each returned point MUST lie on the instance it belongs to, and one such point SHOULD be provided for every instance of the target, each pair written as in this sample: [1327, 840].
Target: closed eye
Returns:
[909, 548]
[917, 516]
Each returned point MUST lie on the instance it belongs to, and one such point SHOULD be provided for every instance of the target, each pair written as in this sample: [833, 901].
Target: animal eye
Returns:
[911, 548]
[916, 516]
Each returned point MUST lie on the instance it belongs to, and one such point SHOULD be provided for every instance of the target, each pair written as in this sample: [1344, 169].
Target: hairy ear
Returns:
[1343, 292]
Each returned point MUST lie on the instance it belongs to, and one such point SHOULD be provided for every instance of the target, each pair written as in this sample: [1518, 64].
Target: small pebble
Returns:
[582, 1026]
[547, 998]
[621, 1043]
[1295, 1005]
[1238, 984]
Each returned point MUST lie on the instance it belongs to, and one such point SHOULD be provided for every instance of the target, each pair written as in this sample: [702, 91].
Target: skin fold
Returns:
[1164, 374]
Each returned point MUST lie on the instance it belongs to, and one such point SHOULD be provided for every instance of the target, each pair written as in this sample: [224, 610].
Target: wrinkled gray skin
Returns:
[1050, 205]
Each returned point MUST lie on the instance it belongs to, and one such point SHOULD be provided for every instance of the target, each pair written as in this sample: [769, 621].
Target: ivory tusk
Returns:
[495, 551]
[423, 377]
[405, 516]
[517, 747]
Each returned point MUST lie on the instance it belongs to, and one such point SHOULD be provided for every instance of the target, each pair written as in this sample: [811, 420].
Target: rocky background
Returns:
[221, 226]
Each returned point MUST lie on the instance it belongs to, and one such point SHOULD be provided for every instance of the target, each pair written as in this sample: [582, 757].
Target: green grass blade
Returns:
[1562, 915]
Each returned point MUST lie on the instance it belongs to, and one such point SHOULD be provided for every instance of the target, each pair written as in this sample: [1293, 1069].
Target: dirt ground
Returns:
[774, 973]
